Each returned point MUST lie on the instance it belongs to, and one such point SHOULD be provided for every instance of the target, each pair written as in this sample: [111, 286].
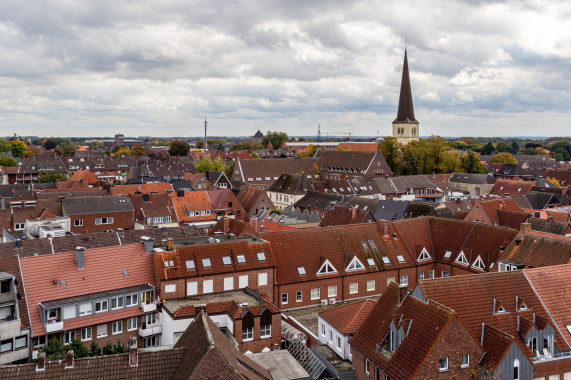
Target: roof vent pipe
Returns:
[79, 257]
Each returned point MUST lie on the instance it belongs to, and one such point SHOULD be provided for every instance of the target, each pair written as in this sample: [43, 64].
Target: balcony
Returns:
[548, 357]
[54, 326]
[150, 330]
[148, 307]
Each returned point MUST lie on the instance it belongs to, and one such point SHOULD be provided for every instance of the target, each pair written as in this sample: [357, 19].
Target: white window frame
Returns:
[467, 363]
[120, 300]
[241, 259]
[131, 300]
[104, 220]
[132, 324]
[440, 367]
[78, 223]
[299, 296]
[106, 302]
[332, 291]
[104, 334]
[284, 298]
[431, 273]
[390, 279]
[266, 331]
[403, 280]
[262, 279]
[326, 268]
[315, 293]
[243, 281]
[206, 263]
[228, 283]
[170, 288]
[86, 334]
[371, 285]
[353, 287]
[117, 327]
[207, 286]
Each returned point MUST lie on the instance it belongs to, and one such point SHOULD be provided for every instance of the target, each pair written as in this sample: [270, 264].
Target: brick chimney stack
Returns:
[133, 354]
[69, 359]
[41, 363]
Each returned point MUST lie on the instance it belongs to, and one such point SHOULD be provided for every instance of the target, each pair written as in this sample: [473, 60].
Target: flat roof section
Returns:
[237, 296]
[281, 365]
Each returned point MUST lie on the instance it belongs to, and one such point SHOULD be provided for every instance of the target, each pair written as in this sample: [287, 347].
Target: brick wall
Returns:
[123, 337]
[123, 220]
[553, 367]
[258, 344]
[359, 366]
[218, 281]
[455, 341]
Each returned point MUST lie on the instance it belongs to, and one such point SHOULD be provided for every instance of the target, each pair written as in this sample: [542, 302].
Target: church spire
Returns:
[406, 110]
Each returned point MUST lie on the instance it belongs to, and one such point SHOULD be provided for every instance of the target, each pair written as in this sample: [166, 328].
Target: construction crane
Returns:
[340, 133]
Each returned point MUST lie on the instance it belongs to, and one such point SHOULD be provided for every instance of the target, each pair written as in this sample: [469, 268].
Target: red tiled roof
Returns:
[511, 219]
[538, 249]
[507, 187]
[103, 271]
[340, 215]
[359, 146]
[248, 197]
[192, 201]
[347, 319]
[232, 226]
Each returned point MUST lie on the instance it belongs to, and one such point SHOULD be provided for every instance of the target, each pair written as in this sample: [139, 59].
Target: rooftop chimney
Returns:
[148, 243]
[403, 291]
[198, 308]
[353, 212]
[41, 363]
[524, 228]
[69, 359]
[133, 355]
[170, 244]
[79, 256]
[18, 243]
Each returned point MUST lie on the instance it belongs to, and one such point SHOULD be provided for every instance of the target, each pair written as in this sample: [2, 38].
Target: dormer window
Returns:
[355, 264]
[424, 255]
[461, 259]
[479, 263]
[327, 268]
[241, 259]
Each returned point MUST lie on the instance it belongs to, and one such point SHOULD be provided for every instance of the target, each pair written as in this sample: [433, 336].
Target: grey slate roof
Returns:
[475, 179]
[293, 184]
[96, 205]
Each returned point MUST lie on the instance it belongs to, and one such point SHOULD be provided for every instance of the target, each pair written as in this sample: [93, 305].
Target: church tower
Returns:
[405, 126]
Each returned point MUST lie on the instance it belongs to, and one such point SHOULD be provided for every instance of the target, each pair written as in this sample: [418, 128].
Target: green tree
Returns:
[450, 162]
[199, 144]
[276, 138]
[94, 349]
[206, 164]
[108, 349]
[515, 146]
[19, 148]
[49, 144]
[414, 158]
[138, 150]
[254, 156]
[51, 177]
[245, 145]
[503, 158]
[65, 150]
[7, 161]
[219, 165]
[179, 148]
[437, 146]
[123, 151]
[119, 348]
[392, 153]
[471, 163]
[54, 350]
[503, 147]
[79, 350]
[488, 149]
[5, 146]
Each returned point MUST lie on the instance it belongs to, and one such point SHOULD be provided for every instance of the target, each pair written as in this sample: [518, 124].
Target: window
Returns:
[298, 296]
[102, 330]
[284, 298]
[101, 306]
[69, 312]
[421, 276]
[332, 291]
[400, 258]
[464, 360]
[327, 268]
[266, 324]
[323, 329]
[226, 260]
[386, 260]
[445, 273]
[516, 370]
[85, 308]
[532, 343]
[315, 293]
[262, 279]
[404, 280]
[78, 222]
[366, 366]
[132, 300]
[68, 336]
[355, 264]
[117, 327]
[261, 256]
[339, 343]
[207, 286]
[21, 342]
[448, 254]
[6, 345]
[206, 263]
[461, 259]
[107, 220]
[241, 259]
[86, 334]
[170, 288]
[248, 327]
[229, 283]
[19, 226]
[131, 324]
[424, 255]
[301, 271]
[370, 285]
[443, 364]
[243, 281]
[478, 263]
[353, 287]
[117, 302]
[431, 273]
[390, 279]
[189, 264]
[371, 262]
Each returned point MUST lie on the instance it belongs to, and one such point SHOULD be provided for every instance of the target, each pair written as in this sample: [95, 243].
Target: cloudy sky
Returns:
[92, 68]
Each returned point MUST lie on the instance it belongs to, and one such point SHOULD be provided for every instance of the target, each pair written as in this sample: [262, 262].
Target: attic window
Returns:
[365, 246]
[372, 244]
[258, 178]
[226, 260]
[301, 271]
[424, 255]
[62, 283]
[251, 179]
[166, 264]
[206, 263]
[125, 272]
[171, 263]
[386, 260]
[523, 306]
[501, 310]
[261, 256]
[327, 268]
[448, 254]
[400, 258]
[241, 259]
[371, 262]
[189, 264]
[478, 263]
[268, 178]
[275, 178]
[461, 259]
[355, 264]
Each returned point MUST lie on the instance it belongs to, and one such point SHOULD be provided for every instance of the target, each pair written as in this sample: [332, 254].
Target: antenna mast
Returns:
[205, 135]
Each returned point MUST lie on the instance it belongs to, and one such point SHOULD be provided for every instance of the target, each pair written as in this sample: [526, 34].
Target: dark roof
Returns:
[476, 179]
[258, 135]
[294, 184]
[96, 205]
[539, 200]
[405, 112]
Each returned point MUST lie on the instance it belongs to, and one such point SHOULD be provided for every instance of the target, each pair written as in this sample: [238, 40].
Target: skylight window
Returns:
[226, 260]
[301, 271]
[125, 272]
[62, 283]
[171, 263]
[327, 268]
[448, 254]
[371, 262]
[189, 264]
[386, 260]
[400, 258]
[372, 244]
[261, 256]
[206, 263]
[241, 259]
[364, 244]
[166, 264]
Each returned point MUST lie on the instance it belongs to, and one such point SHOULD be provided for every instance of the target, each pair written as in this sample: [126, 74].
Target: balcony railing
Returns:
[148, 307]
[384, 351]
[54, 326]
[560, 355]
[143, 332]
